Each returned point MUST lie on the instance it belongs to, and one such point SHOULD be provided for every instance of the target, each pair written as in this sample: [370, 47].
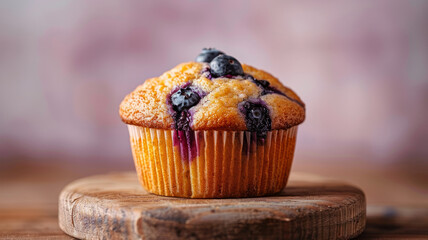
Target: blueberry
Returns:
[257, 117]
[262, 83]
[207, 55]
[184, 98]
[223, 65]
[266, 88]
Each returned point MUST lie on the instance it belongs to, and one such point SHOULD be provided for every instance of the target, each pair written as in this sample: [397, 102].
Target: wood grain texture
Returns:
[114, 206]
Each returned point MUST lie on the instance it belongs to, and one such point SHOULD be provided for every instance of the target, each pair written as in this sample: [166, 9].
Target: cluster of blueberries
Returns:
[221, 65]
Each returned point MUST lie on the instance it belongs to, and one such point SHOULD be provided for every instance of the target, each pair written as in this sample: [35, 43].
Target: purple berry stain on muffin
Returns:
[206, 71]
[187, 141]
[181, 100]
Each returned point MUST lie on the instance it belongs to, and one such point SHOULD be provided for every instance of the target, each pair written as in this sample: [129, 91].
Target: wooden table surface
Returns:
[29, 203]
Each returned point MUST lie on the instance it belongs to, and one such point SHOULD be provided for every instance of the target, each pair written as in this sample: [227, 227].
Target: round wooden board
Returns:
[115, 206]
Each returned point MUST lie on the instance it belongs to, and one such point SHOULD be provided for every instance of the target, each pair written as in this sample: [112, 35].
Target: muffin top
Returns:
[216, 92]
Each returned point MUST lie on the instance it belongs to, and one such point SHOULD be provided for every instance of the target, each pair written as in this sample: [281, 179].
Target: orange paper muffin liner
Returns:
[212, 164]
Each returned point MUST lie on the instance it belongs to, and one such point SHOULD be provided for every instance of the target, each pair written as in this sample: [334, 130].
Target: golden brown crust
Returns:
[147, 105]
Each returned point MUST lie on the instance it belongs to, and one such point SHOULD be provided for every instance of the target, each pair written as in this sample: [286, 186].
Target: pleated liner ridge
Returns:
[225, 163]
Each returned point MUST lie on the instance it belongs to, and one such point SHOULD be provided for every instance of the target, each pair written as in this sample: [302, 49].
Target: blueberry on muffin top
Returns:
[184, 98]
[207, 55]
[224, 65]
[216, 92]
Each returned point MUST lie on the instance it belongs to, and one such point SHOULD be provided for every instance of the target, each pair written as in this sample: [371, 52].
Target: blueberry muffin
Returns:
[213, 128]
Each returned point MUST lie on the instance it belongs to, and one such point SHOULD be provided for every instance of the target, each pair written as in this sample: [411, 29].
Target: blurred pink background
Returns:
[360, 66]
